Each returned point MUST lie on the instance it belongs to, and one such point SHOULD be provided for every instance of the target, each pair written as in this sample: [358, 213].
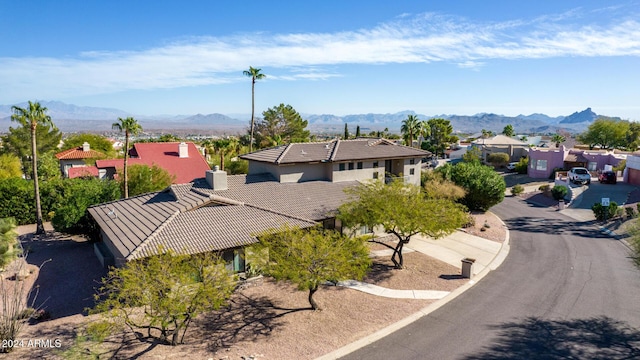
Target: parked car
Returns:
[579, 175]
[512, 166]
[608, 177]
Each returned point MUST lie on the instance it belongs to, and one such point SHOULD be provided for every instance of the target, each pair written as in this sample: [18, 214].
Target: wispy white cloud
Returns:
[423, 38]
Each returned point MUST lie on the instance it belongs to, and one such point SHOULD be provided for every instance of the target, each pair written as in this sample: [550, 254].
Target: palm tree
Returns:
[33, 116]
[255, 75]
[222, 146]
[410, 128]
[130, 126]
[557, 138]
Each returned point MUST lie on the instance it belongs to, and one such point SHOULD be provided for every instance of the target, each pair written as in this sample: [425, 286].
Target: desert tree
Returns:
[144, 179]
[508, 130]
[402, 210]
[254, 74]
[606, 133]
[30, 117]
[282, 124]
[440, 136]
[130, 127]
[311, 257]
[498, 159]
[162, 294]
[346, 132]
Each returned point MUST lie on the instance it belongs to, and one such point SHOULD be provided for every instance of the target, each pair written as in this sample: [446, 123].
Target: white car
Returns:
[512, 166]
[579, 175]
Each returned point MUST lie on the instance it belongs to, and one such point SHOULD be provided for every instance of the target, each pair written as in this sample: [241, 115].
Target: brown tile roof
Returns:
[77, 154]
[212, 228]
[335, 150]
[185, 217]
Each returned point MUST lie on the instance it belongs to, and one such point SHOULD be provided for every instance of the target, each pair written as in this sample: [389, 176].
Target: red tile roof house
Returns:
[296, 184]
[72, 161]
[180, 159]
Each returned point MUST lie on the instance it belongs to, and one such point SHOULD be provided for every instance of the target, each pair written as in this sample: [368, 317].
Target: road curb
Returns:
[497, 260]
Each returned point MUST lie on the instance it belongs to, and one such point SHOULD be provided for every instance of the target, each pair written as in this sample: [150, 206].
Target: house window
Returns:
[532, 164]
[375, 175]
[234, 260]
[592, 166]
[412, 171]
[364, 230]
[359, 165]
[350, 166]
[541, 165]
[375, 164]
[341, 167]
[412, 161]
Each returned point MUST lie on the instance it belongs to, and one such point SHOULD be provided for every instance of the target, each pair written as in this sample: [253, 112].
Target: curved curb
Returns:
[498, 259]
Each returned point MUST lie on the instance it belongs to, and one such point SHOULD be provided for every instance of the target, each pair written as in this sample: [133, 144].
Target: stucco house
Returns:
[339, 160]
[73, 161]
[542, 162]
[516, 149]
[296, 184]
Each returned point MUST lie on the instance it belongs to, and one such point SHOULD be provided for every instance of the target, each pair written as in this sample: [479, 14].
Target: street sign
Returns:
[605, 202]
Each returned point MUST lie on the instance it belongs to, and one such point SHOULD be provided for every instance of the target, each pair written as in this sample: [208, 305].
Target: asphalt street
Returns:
[566, 291]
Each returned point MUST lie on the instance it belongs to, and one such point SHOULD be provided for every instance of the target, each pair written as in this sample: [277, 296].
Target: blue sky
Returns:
[325, 57]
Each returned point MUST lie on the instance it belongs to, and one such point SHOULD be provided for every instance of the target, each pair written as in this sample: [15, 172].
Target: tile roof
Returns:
[82, 171]
[77, 154]
[335, 150]
[185, 216]
[499, 140]
[166, 156]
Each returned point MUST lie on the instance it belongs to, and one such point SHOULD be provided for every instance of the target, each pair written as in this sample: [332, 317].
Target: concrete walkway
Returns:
[450, 249]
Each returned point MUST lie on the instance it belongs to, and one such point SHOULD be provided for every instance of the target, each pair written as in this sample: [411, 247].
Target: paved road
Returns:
[596, 191]
[565, 291]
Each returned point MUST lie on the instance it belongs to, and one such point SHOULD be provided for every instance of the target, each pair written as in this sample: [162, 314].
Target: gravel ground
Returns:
[266, 320]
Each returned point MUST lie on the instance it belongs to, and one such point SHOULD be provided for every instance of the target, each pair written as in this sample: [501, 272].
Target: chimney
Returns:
[216, 178]
[183, 150]
[86, 147]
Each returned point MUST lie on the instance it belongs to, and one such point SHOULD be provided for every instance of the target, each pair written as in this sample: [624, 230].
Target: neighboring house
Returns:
[339, 160]
[296, 184]
[183, 160]
[220, 213]
[632, 171]
[516, 149]
[542, 162]
[75, 158]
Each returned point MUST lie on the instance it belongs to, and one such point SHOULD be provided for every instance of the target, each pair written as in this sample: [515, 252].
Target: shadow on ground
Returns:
[535, 338]
[244, 319]
[586, 229]
[69, 272]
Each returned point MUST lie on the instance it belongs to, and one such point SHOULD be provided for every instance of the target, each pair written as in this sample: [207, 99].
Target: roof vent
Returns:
[327, 146]
[302, 152]
[183, 150]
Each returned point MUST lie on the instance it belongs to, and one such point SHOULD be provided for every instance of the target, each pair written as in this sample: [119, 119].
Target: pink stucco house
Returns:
[543, 161]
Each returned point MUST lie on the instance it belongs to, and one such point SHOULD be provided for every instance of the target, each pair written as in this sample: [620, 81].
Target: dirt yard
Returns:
[263, 320]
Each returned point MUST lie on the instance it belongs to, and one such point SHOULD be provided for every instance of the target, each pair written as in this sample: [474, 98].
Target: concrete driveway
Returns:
[587, 195]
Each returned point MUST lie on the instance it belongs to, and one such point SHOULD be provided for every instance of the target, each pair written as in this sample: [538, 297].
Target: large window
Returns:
[350, 166]
[375, 164]
[412, 161]
[359, 164]
[541, 165]
[341, 167]
[592, 166]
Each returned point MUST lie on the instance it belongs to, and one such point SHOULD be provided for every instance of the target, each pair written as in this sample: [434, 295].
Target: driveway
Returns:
[580, 208]
[69, 273]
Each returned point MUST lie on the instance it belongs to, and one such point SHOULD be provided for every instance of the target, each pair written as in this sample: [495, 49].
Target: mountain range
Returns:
[72, 118]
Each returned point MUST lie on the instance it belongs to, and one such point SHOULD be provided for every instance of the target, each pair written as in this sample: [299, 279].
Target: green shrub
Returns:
[522, 166]
[630, 212]
[545, 188]
[605, 212]
[17, 200]
[517, 190]
[77, 195]
[484, 186]
[559, 192]
[498, 159]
